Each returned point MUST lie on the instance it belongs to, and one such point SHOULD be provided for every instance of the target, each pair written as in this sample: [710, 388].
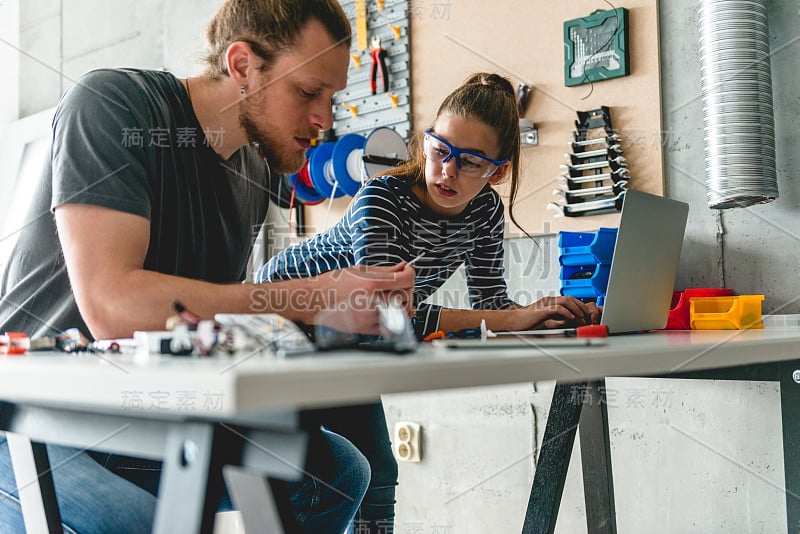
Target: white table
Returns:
[200, 414]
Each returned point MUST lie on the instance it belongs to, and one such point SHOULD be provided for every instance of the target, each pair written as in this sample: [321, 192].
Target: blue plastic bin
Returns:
[583, 293]
[588, 287]
[587, 248]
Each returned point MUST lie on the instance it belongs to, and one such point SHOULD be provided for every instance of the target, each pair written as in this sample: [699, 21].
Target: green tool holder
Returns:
[596, 47]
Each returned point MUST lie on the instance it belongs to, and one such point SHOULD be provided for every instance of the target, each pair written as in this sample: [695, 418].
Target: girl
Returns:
[441, 209]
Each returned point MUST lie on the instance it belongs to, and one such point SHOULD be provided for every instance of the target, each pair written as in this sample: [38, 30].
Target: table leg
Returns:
[598, 483]
[553, 462]
[191, 479]
[790, 418]
[581, 404]
[34, 478]
[251, 493]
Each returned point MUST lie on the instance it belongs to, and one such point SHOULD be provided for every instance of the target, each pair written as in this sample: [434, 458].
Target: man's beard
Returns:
[285, 163]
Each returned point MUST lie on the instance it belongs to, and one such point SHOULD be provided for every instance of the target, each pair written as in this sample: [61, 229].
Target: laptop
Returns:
[642, 277]
[645, 263]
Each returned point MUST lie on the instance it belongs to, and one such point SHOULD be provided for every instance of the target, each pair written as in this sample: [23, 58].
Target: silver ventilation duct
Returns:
[736, 84]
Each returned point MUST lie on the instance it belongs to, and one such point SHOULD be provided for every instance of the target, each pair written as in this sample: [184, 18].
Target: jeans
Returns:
[93, 499]
[365, 426]
[90, 497]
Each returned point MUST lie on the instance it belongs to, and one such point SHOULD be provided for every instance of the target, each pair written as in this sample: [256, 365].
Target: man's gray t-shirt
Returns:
[129, 140]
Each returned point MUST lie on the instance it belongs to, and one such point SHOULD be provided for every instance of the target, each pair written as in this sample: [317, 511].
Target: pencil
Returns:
[412, 262]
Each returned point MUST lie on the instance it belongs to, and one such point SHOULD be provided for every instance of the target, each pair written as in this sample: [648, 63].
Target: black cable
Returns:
[599, 50]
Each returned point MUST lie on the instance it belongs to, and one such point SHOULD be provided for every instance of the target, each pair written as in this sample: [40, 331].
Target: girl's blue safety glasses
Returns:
[468, 163]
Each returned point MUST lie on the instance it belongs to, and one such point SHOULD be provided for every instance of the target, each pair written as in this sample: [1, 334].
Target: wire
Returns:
[291, 205]
[591, 90]
[330, 204]
[599, 50]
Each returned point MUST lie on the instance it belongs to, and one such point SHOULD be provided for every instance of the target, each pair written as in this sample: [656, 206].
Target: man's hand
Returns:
[352, 294]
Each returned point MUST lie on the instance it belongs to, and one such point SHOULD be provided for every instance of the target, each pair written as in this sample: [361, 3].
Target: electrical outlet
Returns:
[408, 441]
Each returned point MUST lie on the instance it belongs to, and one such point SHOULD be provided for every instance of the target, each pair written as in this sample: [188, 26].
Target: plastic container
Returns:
[583, 293]
[678, 318]
[587, 248]
[593, 285]
[726, 313]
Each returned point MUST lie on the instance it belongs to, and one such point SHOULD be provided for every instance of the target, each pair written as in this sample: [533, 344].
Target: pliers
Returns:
[378, 55]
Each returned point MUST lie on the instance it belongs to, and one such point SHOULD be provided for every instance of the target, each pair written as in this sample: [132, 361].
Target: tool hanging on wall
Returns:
[378, 55]
[335, 168]
[383, 149]
[384, 102]
[596, 47]
[528, 135]
[346, 158]
[302, 187]
[523, 98]
[361, 24]
[338, 168]
[596, 176]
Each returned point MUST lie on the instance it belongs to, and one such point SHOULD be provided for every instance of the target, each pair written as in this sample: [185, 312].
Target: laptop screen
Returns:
[645, 263]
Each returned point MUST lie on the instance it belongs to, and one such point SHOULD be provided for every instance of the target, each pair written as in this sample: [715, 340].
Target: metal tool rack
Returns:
[391, 26]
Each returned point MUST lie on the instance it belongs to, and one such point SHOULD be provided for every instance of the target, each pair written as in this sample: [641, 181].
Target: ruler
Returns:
[361, 24]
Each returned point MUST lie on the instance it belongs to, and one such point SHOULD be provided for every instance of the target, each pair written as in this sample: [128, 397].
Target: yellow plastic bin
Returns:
[726, 313]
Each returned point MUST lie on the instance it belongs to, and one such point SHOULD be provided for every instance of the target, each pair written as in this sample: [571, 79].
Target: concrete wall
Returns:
[62, 39]
[689, 456]
[9, 58]
[480, 446]
[755, 249]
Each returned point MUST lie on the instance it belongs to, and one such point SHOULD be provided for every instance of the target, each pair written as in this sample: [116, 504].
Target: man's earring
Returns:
[241, 89]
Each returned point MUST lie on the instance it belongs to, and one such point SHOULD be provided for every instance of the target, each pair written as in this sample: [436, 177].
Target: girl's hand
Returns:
[556, 312]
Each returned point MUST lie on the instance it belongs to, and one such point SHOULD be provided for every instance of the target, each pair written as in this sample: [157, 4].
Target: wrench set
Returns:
[596, 175]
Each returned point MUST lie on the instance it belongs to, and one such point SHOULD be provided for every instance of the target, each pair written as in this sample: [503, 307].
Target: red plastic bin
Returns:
[679, 311]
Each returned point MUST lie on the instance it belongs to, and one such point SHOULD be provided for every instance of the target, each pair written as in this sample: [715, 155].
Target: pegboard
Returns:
[391, 26]
[451, 42]
[529, 47]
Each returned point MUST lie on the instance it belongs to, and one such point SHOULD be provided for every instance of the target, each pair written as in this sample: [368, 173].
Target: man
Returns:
[153, 192]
